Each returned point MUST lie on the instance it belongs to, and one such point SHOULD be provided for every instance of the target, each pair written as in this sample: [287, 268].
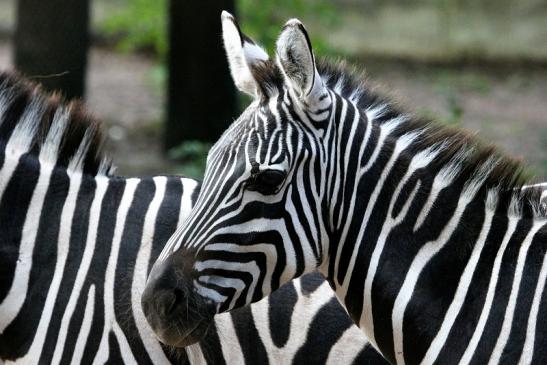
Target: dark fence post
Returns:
[201, 99]
[51, 42]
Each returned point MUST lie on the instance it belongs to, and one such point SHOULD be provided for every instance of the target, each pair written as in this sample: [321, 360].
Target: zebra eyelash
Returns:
[266, 181]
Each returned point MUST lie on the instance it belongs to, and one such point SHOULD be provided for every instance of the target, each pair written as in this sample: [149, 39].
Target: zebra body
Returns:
[76, 244]
[426, 236]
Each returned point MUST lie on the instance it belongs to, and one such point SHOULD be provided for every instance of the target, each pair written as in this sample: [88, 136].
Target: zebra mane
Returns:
[464, 152]
[475, 161]
[46, 126]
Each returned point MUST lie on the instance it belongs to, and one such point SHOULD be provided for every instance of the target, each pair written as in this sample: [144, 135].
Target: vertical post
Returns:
[201, 99]
[51, 42]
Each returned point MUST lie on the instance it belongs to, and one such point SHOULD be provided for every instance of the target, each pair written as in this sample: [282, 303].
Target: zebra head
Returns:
[260, 219]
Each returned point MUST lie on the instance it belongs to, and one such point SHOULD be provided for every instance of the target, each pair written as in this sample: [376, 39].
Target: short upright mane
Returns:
[503, 174]
[32, 121]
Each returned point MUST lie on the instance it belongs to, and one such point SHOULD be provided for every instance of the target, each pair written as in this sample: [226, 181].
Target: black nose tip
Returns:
[174, 310]
[170, 300]
[164, 293]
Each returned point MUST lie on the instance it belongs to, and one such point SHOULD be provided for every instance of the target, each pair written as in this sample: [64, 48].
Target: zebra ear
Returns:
[242, 53]
[295, 58]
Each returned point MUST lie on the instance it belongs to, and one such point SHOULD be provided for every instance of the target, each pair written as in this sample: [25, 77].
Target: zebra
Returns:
[426, 235]
[76, 244]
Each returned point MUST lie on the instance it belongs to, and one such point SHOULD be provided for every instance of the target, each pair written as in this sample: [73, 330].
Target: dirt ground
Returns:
[506, 106]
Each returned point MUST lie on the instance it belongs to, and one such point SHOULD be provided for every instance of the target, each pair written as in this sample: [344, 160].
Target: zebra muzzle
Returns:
[176, 313]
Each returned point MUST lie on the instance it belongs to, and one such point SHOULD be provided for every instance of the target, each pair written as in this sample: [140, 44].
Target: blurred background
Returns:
[155, 72]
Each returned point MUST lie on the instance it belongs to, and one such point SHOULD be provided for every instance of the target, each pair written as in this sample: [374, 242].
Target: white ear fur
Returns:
[242, 52]
[295, 58]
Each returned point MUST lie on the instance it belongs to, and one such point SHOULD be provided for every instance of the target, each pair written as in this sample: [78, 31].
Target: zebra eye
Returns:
[266, 182]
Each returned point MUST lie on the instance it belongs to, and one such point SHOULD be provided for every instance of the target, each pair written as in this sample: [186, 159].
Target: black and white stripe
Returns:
[427, 236]
[76, 245]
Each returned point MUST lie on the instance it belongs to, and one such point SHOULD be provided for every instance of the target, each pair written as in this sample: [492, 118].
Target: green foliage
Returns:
[140, 25]
[262, 19]
[191, 157]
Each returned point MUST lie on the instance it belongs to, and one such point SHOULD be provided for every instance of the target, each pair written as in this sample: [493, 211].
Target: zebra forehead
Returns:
[247, 130]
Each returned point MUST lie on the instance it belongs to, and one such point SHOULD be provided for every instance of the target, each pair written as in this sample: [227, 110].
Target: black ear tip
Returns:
[246, 39]
[296, 25]
[292, 23]
[226, 16]
[302, 28]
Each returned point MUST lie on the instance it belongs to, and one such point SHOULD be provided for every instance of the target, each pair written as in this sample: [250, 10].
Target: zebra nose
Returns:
[169, 301]
[174, 310]
[164, 295]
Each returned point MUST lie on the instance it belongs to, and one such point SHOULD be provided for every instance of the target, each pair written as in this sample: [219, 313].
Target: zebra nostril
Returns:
[173, 302]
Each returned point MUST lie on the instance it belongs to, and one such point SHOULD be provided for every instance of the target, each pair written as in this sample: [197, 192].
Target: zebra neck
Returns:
[346, 138]
[419, 247]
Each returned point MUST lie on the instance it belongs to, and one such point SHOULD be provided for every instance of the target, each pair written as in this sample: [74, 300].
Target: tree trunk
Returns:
[51, 42]
[201, 96]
